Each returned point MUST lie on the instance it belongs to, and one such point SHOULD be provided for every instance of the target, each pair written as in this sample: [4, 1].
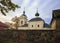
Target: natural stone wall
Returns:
[27, 36]
[57, 36]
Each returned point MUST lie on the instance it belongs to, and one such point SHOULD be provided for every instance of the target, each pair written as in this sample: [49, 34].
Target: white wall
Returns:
[23, 28]
[27, 28]
[35, 25]
[24, 21]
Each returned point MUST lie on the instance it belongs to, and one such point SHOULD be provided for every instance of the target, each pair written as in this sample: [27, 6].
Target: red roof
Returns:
[3, 25]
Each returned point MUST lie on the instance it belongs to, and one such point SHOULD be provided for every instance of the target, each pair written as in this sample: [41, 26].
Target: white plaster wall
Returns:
[27, 28]
[35, 25]
[24, 21]
[23, 28]
[53, 25]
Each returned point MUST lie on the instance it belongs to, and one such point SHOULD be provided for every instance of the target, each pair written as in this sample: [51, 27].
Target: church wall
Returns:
[27, 28]
[53, 25]
[24, 36]
[34, 25]
[24, 22]
[22, 28]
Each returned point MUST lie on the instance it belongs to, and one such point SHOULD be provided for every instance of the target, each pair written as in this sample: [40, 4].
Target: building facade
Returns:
[36, 23]
[55, 22]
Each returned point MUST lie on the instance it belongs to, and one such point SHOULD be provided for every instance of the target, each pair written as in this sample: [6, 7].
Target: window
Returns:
[38, 25]
[21, 22]
[32, 25]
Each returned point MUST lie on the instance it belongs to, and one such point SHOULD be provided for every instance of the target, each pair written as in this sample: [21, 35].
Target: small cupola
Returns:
[23, 19]
[37, 14]
[37, 18]
[23, 15]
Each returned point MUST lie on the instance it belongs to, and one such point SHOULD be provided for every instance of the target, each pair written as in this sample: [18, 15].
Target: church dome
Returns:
[23, 15]
[36, 19]
[37, 14]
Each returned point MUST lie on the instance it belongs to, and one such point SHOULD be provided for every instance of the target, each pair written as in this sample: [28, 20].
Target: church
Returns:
[36, 23]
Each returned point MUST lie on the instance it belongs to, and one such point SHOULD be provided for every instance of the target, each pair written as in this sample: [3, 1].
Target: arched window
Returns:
[38, 25]
[21, 22]
[32, 25]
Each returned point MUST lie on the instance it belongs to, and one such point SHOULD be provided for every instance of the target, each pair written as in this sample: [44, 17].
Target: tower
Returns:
[23, 19]
[55, 23]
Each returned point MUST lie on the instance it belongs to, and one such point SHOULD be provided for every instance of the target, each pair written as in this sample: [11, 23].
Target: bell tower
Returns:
[23, 19]
[55, 23]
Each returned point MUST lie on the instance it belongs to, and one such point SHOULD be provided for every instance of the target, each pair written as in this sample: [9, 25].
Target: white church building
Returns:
[36, 23]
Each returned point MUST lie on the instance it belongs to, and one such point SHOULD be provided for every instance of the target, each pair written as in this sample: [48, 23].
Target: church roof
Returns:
[46, 25]
[36, 19]
[3, 25]
[23, 15]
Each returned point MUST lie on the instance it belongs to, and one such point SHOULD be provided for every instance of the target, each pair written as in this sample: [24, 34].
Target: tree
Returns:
[7, 5]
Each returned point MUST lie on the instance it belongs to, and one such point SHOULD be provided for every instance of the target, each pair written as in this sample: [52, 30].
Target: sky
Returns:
[45, 8]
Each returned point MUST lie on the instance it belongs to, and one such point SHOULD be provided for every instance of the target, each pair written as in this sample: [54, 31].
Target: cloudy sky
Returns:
[45, 8]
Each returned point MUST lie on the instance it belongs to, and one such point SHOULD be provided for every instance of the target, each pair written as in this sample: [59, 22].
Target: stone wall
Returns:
[27, 36]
